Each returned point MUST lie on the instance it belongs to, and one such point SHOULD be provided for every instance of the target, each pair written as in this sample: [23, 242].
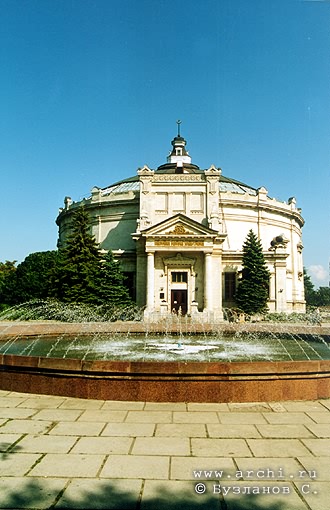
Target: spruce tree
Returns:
[253, 288]
[79, 263]
[111, 288]
[310, 293]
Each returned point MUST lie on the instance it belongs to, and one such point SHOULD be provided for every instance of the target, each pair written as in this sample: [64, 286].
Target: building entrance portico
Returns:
[182, 267]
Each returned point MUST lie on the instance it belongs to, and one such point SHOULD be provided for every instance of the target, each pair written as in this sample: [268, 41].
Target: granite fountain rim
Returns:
[50, 327]
[179, 381]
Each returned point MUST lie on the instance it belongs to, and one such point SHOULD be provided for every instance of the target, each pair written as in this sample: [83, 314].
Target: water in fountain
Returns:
[54, 346]
[186, 344]
[7, 345]
[238, 347]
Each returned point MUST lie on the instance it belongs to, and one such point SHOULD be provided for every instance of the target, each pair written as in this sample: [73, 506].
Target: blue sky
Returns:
[90, 90]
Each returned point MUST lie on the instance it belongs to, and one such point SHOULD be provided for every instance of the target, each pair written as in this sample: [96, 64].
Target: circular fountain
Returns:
[178, 361]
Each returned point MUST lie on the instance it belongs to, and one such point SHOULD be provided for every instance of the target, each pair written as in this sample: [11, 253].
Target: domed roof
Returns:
[178, 161]
[226, 184]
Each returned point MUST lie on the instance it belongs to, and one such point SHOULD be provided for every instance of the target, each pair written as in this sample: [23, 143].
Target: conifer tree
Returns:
[111, 286]
[79, 263]
[253, 288]
[310, 293]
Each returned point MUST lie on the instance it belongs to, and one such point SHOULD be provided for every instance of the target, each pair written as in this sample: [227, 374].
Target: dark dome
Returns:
[133, 184]
[179, 161]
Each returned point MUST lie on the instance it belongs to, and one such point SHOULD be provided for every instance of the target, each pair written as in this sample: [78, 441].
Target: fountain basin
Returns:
[168, 381]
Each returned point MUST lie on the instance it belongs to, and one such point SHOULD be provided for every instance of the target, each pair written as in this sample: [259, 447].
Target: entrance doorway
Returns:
[179, 300]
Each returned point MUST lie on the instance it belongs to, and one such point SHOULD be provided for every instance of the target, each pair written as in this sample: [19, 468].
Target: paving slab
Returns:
[46, 443]
[321, 430]
[11, 401]
[288, 418]
[201, 468]
[18, 464]
[79, 403]
[21, 394]
[319, 417]
[149, 417]
[270, 496]
[137, 466]
[56, 415]
[77, 428]
[161, 446]
[162, 406]
[243, 407]
[279, 447]
[267, 469]
[290, 430]
[17, 412]
[318, 447]
[7, 440]
[176, 495]
[180, 430]
[277, 407]
[68, 465]
[247, 418]
[306, 406]
[103, 445]
[26, 427]
[25, 493]
[101, 494]
[325, 403]
[126, 405]
[316, 494]
[195, 417]
[204, 407]
[129, 429]
[103, 415]
[43, 402]
[221, 447]
[232, 430]
[316, 467]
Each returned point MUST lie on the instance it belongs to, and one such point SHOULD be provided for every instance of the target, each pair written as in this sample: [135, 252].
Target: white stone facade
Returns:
[178, 232]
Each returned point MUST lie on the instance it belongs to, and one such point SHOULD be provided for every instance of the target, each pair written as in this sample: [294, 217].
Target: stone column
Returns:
[207, 282]
[216, 278]
[150, 281]
[141, 274]
[272, 292]
[280, 280]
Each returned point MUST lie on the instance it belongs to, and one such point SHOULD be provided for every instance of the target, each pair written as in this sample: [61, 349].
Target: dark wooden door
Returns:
[179, 300]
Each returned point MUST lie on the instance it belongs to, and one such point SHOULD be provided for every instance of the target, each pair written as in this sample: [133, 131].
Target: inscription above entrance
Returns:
[165, 242]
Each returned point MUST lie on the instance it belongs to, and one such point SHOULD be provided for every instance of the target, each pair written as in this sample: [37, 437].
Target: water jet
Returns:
[194, 362]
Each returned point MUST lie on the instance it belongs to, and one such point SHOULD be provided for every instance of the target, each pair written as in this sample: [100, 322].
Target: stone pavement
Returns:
[59, 452]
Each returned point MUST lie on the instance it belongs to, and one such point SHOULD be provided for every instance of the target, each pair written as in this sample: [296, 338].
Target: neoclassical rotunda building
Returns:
[178, 233]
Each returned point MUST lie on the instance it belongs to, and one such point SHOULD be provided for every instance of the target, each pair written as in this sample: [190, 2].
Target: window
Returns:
[180, 277]
[230, 286]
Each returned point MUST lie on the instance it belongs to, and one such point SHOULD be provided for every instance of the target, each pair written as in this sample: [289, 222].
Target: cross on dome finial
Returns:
[178, 123]
[179, 154]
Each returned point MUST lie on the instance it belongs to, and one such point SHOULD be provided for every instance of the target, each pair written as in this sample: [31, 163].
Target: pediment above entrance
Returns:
[179, 226]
